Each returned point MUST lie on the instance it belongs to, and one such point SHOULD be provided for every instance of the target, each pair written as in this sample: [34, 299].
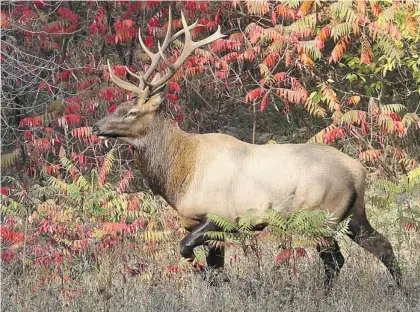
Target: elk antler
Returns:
[145, 88]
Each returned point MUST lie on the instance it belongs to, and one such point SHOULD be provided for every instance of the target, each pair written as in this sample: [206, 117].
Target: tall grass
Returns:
[107, 285]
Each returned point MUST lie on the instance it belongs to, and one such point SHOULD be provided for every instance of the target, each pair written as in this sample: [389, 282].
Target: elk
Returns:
[198, 174]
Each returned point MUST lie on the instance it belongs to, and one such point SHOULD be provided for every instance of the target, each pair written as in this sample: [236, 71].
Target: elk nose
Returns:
[95, 129]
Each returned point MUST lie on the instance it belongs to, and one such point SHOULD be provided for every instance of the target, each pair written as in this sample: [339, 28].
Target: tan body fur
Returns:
[233, 176]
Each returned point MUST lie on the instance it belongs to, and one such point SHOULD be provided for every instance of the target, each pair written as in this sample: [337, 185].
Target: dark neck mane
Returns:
[167, 158]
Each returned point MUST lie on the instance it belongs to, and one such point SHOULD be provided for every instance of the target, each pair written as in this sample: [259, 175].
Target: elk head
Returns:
[132, 119]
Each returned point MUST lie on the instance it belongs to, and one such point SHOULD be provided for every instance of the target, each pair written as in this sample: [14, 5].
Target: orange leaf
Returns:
[306, 60]
[338, 50]
[355, 99]
[304, 8]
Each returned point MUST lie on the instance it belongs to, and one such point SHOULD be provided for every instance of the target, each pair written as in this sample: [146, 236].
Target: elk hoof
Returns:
[216, 277]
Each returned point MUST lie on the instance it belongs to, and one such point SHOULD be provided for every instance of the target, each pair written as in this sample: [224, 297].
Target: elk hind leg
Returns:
[367, 237]
[216, 257]
[197, 238]
[332, 259]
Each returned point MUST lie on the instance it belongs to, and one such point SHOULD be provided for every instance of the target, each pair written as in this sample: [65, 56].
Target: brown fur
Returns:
[167, 158]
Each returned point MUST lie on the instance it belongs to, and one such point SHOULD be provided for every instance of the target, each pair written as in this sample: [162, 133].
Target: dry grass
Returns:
[364, 284]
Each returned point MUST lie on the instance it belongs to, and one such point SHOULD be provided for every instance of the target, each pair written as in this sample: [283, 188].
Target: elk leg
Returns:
[197, 238]
[333, 261]
[216, 257]
[367, 237]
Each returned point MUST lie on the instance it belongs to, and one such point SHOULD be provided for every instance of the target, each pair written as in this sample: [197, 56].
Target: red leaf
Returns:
[253, 94]
[113, 226]
[112, 109]
[174, 86]
[288, 59]
[274, 18]
[284, 255]
[28, 135]
[149, 42]
[7, 255]
[264, 102]
[300, 252]
[11, 236]
[5, 190]
[172, 97]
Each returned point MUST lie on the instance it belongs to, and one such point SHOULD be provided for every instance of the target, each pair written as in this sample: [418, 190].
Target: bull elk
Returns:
[198, 174]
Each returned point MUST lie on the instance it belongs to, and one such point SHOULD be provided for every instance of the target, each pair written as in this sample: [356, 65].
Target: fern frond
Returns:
[57, 183]
[342, 229]
[308, 21]
[314, 108]
[248, 221]
[386, 123]
[311, 48]
[341, 30]
[106, 167]
[9, 159]
[414, 174]
[353, 117]
[200, 254]
[275, 219]
[153, 236]
[342, 10]
[387, 15]
[330, 97]
[388, 47]
[319, 137]
[225, 224]
[411, 118]
[216, 235]
[392, 108]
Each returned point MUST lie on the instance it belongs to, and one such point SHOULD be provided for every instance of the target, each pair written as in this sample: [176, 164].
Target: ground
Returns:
[364, 284]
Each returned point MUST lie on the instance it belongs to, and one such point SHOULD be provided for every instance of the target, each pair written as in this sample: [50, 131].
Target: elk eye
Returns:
[132, 114]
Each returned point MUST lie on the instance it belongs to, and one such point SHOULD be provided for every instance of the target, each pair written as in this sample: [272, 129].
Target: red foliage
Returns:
[11, 236]
[5, 191]
[264, 101]
[254, 94]
[338, 50]
[31, 121]
[284, 255]
[112, 109]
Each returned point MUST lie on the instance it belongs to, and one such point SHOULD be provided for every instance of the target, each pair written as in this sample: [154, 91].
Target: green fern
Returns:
[340, 30]
[353, 117]
[311, 49]
[388, 47]
[308, 21]
[342, 10]
[387, 15]
[393, 108]
[225, 224]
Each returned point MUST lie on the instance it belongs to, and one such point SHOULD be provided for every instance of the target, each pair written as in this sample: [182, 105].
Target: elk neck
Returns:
[167, 158]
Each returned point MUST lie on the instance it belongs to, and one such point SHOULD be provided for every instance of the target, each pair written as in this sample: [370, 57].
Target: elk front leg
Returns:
[197, 238]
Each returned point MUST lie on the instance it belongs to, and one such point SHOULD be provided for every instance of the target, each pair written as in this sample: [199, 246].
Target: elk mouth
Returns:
[102, 135]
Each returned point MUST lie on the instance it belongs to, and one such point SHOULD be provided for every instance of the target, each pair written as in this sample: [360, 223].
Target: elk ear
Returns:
[154, 101]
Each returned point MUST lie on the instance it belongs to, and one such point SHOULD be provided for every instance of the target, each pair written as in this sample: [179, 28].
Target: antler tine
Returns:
[155, 57]
[189, 47]
[139, 77]
[121, 83]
